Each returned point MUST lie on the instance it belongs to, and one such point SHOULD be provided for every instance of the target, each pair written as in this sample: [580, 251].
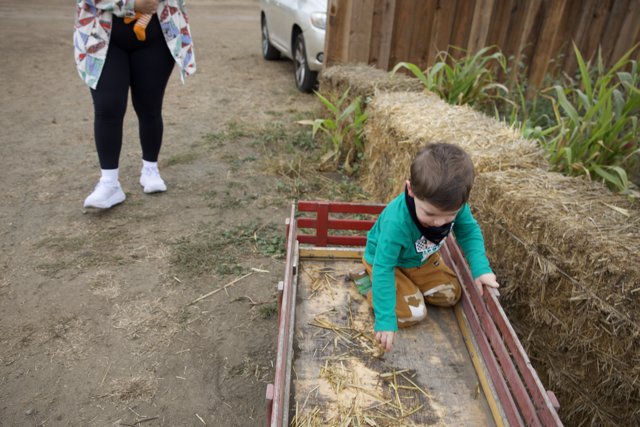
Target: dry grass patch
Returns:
[136, 388]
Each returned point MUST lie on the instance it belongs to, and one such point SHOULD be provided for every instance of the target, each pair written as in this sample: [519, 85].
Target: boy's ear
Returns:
[408, 185]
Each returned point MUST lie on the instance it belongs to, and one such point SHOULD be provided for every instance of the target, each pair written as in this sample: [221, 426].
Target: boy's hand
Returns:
[146, 6]
[488, 279]
[385, 338]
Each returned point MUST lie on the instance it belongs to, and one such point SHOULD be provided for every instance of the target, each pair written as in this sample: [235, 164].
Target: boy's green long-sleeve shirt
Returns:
[395, 241]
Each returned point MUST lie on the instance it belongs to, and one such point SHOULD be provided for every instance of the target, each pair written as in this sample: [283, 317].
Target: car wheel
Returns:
[268, 51]
[305, 78]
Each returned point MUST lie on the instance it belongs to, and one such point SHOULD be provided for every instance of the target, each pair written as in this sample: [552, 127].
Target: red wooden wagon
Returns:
[462, 366]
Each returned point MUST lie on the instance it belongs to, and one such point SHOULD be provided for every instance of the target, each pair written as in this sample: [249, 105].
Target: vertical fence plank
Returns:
[596, 29]
[462, 26]
[422, 33]
[480, 25]
[336, 37]
[380, 34]
[612, 30]
[546, 46]
[537, 32]
[443, 24]
[499, 24]
[523, 18]
[579, 33]
[360, 30]
[629, 31]
[401, 32]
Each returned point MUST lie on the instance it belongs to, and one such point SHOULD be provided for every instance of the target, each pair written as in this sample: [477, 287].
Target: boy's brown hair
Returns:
[442, 174]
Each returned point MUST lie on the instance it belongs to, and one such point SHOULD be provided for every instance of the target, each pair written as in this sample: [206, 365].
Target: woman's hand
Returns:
[385, 338]
[146, 6]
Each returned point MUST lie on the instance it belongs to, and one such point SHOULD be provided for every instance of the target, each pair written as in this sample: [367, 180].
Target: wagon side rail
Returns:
[277, 396]
[522, 396]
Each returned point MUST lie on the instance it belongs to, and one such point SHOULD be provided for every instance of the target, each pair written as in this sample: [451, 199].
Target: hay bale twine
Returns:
[363, 81]
[567, 252]
[400, 123]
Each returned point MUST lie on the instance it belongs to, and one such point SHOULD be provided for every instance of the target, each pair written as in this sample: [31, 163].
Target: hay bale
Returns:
[400, 123]
[567, 253]
[363, 81]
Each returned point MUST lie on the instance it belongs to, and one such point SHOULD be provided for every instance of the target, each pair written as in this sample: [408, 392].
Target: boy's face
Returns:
[429, 215]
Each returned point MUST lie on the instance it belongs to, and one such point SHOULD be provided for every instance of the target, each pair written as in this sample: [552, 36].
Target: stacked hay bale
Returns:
[568, 254]
[400, 123]
[566, 251]
[363, 81]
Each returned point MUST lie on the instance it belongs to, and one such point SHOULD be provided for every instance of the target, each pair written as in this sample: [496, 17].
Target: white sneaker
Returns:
[105, 195]
[151, 181]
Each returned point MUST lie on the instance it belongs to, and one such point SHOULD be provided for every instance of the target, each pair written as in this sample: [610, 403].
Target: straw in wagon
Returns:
[346, 382]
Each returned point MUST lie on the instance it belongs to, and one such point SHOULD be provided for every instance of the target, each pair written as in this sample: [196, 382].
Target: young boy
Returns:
[401, 255]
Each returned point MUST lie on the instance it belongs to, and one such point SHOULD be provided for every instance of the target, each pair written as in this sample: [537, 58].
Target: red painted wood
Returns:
[342, 207]
[269, 401]
[554, 400]
[287, 223]
[283, 329]
[497, 341]
[544, 404]
[489, 329]
[322, 231]
[504, 395]
[334, 240]
[351, 224]
[347, 240]
[338, 224]
[307, 238]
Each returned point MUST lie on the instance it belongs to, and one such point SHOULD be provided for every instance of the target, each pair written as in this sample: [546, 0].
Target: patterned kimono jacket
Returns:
[93, 31]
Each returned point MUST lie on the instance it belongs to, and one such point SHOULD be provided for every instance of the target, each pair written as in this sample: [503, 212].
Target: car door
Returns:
[283, 23]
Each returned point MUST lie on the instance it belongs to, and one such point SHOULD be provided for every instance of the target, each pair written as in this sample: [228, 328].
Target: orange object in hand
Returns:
[140, 27]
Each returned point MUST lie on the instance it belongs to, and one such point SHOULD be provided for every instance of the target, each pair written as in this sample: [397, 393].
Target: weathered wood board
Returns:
[338, 372]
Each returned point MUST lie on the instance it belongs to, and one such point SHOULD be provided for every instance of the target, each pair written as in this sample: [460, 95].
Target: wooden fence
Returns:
[537, 32]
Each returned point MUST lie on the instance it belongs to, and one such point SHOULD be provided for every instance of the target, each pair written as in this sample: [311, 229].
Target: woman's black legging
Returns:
[145, 66]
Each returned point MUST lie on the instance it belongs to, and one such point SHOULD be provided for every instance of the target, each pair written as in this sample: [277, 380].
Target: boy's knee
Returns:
[444, 295]
[417, 311]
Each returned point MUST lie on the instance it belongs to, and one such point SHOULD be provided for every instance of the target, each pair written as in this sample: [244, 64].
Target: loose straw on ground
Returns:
[233, 282]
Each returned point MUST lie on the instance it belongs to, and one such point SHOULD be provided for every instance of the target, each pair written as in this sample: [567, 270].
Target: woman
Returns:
[110, 60]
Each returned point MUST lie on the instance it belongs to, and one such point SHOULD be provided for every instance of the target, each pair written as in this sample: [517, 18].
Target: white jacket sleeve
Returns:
[119, 8]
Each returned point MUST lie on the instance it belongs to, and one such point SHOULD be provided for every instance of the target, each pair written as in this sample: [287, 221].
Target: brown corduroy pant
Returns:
[433, 282]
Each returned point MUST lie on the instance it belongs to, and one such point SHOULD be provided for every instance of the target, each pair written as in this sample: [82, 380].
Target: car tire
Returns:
[305, 78]
[268, 51]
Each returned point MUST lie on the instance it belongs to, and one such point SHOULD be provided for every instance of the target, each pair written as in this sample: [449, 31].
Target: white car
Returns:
[295, 29]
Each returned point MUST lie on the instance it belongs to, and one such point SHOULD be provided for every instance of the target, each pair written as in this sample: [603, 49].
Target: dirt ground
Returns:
[97, 328]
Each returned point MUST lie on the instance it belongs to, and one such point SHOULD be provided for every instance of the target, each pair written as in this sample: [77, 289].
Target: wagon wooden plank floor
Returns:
[338, 372]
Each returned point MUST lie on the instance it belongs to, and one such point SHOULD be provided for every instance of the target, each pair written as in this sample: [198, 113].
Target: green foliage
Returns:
[588, 124]
[269, 310]
[527, 109]
[182, 158]
[471, 79]
[343, 130]
[597, 122]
